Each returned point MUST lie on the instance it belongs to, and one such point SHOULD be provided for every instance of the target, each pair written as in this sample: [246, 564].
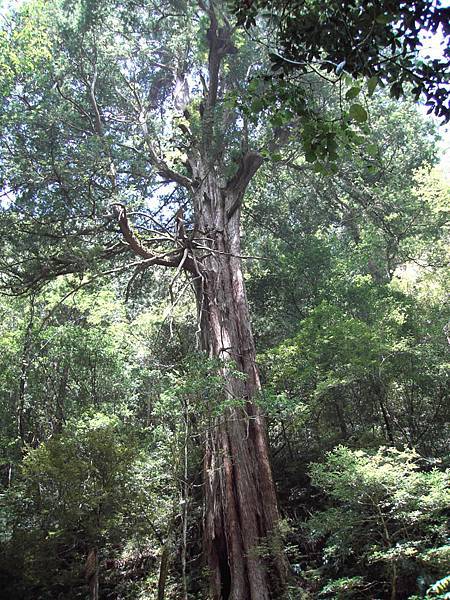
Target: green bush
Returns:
[386, 519]
[92, 486]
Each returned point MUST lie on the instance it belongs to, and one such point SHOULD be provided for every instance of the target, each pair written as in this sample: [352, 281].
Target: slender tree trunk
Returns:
[241, 538]
[23, 377]
[163, 571]
[91, 573]
[338, 401]
[185, 499]
[59, 417]
[380, 391]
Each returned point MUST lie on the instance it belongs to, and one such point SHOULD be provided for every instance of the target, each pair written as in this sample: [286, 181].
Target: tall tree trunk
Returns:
[24, 371]
[91, 573]
[241, 538]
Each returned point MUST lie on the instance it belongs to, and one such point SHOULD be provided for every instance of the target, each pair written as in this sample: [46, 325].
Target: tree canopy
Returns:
[377, 39]
[224, 316]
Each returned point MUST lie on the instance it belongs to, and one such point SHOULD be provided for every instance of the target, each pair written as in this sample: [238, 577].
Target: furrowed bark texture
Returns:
[241, 539]
[241, 515]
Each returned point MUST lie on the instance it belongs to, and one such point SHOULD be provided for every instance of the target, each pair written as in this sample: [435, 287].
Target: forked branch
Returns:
[249, 164]
[168, 259]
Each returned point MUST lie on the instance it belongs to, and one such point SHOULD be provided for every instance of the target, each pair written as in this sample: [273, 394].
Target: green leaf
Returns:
[277, 119]
[383, 19]
[372, 84]
[358, 113]
[352, 93]
[358, 140]
[253, 85]
[372, 150]
[257, 105]
[396, 89]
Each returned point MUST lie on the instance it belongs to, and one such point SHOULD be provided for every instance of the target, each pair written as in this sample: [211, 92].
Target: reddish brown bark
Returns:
[241, 515]
[241, 540]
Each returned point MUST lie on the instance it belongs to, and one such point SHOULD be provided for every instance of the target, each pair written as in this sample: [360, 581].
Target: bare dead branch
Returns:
[177, 272]
[98, 119]
[151, 218]
[75, 104]
[138, 271]
[159, 163]
[212, 251]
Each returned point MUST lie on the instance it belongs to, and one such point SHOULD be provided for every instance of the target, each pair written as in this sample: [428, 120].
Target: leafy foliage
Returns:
[90, 486]
[387, 513]
[376, 39]
[104, 396]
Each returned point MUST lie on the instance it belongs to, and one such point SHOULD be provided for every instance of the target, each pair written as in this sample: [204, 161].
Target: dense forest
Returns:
[224, 315]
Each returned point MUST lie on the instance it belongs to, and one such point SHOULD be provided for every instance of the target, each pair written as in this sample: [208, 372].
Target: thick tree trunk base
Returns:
[242, 540]
[241, 535]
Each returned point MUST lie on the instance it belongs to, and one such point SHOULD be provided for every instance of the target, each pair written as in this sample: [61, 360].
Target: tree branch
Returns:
[220, 44]
[161, 166]
[249, 164]
[98, 119]
[169, 259]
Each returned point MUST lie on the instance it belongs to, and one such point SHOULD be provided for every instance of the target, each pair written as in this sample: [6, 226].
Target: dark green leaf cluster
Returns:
[372, 38]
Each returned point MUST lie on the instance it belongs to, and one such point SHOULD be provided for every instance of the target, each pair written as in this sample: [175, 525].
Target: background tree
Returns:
[402, 509]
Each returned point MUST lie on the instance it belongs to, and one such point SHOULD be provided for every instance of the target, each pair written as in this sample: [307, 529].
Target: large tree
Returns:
[125, 149]
[97, 128]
